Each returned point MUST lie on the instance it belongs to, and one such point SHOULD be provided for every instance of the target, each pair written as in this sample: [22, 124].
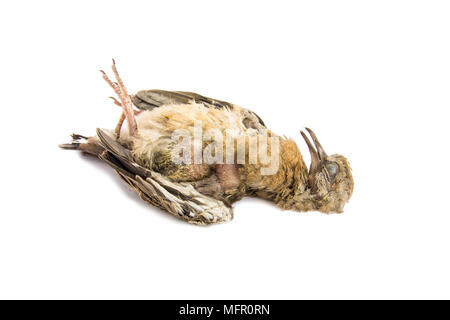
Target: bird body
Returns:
[194, 156]
[153, 147]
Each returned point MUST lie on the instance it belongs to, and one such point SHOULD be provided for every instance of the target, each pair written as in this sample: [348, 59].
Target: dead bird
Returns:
[143, 154]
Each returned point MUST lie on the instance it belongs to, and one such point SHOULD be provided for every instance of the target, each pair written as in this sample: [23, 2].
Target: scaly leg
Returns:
[122, 117]
[125, 102]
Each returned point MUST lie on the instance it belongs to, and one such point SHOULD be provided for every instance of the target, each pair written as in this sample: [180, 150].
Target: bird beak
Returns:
[318, 154]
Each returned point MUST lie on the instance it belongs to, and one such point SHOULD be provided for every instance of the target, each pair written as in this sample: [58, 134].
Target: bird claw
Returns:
[125, 102]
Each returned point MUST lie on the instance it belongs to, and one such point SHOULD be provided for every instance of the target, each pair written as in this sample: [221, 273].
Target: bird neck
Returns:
[288, 187]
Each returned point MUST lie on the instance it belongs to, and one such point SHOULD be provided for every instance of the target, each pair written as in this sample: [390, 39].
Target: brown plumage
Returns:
[202, 191]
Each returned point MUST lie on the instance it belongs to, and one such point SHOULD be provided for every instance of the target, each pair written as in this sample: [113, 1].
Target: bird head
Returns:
[329, 178]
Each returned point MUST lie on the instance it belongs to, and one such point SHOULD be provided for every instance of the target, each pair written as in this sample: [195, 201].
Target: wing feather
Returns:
[180, 199]
[150, 99]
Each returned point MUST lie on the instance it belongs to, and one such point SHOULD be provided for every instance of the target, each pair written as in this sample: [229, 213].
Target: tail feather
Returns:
[70, 146]
[180, 199]
[90, 145]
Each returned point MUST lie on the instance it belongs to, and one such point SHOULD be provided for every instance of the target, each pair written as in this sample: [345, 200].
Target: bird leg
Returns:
[122, 117]
[116, 89]
[117, 103]
[125, 102]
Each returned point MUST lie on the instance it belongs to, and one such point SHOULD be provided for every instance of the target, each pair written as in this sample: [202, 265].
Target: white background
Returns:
[372, 78]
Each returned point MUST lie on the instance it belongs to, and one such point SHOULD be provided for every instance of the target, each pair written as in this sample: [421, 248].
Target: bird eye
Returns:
[332, 169]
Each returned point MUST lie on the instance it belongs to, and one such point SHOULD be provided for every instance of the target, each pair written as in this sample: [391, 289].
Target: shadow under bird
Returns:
[142, 154]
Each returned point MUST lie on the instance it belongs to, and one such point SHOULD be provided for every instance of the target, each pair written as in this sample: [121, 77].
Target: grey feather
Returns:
[180, 199]
[150, 99]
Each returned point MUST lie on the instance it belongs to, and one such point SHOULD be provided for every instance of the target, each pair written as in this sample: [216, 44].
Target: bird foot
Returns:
[125, 102]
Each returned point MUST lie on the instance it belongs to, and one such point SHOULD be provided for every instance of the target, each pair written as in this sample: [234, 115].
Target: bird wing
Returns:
[150, 99]
[180, 199]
